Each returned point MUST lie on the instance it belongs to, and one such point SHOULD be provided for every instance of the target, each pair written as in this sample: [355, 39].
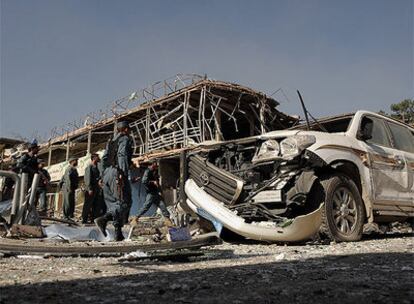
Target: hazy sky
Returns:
[61, 59]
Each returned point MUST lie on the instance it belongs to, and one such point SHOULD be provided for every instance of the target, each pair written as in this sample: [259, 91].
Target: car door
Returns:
[403, 141]
[389, 179]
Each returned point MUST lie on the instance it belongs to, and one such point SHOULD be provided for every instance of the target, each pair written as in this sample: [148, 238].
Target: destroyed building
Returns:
[180, 113]
[228, 156]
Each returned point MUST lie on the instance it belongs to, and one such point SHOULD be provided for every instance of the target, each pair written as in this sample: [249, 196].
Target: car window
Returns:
[330, 126]
[379, 132]
[402, 137]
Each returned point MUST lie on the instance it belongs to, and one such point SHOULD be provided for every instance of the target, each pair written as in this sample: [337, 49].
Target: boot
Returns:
[118, 234]
[101, 222]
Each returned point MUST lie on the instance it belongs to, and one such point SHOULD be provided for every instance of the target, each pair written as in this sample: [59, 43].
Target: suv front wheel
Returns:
[344, 212]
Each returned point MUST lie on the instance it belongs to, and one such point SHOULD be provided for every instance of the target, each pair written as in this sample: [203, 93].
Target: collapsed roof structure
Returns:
[170, 115]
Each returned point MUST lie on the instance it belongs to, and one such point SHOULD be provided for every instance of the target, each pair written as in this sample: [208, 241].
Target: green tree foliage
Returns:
[403, 111]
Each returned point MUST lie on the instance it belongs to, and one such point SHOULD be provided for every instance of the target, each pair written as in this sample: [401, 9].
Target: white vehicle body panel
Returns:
[301, 228]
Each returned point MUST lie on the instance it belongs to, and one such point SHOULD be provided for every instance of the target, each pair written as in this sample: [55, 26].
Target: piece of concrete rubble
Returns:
[134, 256]
[29, 257]
[398, 227]
[146, 226]
[372, 228]
[18, 230]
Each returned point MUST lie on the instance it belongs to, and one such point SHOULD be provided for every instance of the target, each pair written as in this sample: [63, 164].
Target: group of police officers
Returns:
[106, 183]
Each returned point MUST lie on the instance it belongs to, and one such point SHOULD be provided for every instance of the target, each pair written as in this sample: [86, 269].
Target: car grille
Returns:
[220, 184]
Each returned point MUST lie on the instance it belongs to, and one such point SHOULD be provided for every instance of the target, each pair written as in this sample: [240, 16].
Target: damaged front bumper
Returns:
[298, 229]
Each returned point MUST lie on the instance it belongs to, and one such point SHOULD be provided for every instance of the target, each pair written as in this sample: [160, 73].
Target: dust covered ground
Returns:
[375, 270]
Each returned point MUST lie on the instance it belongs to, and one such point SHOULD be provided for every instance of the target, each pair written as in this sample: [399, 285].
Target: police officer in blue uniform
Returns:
[150, 181]
[116, 187]
[92, 179]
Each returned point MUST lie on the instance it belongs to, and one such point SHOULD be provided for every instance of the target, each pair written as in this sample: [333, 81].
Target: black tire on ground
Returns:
[343, 215]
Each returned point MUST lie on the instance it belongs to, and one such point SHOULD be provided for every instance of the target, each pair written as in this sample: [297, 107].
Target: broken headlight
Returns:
[268, 150]
[294, 145]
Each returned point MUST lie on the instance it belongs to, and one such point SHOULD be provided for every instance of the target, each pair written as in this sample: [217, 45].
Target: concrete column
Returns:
[49, 157]
[89, 142]
[67, 149]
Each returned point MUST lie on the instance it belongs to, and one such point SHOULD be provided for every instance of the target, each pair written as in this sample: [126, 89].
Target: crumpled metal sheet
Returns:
[59, 231]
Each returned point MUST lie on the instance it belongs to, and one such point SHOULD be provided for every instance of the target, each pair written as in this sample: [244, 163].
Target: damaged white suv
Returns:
[332, 176]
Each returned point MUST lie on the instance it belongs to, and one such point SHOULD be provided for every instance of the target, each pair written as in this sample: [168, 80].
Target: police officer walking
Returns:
[124, 162]
[92, 178]
[43, 184]
[152, 187]
[69, 184]
[116, 187]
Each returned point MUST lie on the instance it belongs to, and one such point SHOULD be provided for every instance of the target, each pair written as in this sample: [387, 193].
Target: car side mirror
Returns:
[365, 132]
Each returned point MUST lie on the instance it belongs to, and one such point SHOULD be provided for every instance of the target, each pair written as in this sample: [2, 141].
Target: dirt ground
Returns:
[375, 270]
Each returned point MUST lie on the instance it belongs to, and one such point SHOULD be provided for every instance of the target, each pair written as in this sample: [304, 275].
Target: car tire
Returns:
[343, 215]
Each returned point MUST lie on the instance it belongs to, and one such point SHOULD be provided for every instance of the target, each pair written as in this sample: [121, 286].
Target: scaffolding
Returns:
[127, 103]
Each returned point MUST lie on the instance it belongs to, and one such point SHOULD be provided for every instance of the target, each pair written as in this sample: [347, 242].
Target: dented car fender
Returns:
[333, 154]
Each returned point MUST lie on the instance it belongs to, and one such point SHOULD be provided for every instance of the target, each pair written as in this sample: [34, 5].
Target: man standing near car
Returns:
[69, 184]
[92, 190]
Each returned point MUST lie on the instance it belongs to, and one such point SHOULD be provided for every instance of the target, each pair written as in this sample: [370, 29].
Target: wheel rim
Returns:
[344, 210]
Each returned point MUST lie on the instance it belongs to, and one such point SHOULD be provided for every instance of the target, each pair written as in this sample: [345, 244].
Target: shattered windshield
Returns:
[330, 125]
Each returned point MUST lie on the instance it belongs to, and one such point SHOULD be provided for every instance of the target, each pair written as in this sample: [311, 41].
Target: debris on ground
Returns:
[377, 270]
[167, 255]
[27, 231]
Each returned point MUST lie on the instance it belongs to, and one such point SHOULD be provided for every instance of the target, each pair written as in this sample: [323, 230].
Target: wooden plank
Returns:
[22, 247]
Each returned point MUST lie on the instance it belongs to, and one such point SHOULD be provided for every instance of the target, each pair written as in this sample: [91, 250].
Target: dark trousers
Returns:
[91, 206]
[101, 203]
[42, 199]
[116, 213]
[68, 203]
[127, 192]
[154, 199]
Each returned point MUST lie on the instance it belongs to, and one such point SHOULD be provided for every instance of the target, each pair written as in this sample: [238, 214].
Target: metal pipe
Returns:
[33, 190]
[89, 141]
[183, 176]
[185, 110]
[305, 111]
[67, 149]
[49, 158]
[29, 198]
[23, 189]
[21, 213]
